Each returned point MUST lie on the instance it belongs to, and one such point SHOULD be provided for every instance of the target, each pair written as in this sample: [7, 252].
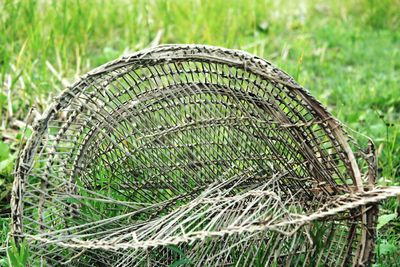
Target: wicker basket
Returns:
[199, 155]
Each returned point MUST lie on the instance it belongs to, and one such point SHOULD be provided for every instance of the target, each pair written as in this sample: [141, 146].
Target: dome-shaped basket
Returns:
[193, 155]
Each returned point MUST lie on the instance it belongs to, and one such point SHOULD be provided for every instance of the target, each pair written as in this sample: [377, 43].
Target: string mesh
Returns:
[197, 155]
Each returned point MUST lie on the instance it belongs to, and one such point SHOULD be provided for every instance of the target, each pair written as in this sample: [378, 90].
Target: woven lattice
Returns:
[193, 155]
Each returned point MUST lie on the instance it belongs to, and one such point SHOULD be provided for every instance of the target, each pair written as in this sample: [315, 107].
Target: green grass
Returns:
[347, 53]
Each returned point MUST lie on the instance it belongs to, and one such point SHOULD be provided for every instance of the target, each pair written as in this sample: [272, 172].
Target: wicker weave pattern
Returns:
[209, 150]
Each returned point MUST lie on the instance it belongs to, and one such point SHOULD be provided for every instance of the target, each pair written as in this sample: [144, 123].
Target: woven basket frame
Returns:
[190, 111]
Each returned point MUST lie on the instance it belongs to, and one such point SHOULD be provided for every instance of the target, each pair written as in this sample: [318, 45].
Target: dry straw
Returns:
[198, 155]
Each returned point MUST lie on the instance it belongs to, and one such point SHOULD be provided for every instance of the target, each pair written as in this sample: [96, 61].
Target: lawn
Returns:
[346, 53]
